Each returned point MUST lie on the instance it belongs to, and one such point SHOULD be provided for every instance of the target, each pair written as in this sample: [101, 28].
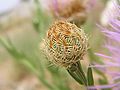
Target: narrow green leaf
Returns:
[81, 73]
[30, 66]
[90, 77]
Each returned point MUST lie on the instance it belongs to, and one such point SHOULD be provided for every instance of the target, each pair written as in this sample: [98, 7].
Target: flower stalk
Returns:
[65, 46]
[77, 73]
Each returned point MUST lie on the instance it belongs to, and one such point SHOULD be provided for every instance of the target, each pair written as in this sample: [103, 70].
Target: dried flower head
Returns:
[65, 43]
[66, 9]
[72, 10]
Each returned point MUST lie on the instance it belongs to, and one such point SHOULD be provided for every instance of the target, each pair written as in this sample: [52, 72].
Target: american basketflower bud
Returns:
[65, 43]
[65, 46]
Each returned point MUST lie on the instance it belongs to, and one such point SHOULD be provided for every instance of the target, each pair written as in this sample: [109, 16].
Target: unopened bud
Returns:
[65, 43]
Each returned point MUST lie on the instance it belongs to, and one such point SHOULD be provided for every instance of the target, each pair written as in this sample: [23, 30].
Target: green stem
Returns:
[80, 71]
[75, 77]
[77, 73]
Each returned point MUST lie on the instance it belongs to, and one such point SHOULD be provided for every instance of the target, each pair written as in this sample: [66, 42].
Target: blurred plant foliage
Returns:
[36, 62]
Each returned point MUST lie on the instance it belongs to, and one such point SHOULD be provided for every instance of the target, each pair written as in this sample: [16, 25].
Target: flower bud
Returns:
[65, 43]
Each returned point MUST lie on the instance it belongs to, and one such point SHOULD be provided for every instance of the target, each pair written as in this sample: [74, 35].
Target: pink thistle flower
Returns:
[70, 10]
[112, 34]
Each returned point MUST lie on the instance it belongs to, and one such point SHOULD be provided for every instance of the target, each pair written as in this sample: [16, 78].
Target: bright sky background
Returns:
[7, 5]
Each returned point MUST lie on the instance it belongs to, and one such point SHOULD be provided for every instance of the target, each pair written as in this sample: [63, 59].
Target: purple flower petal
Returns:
[116, 78]
[105, 86]
[112, 35]
[112, 64]
[55, 4]
[113, 73]
[112, 32]
[115, 25]
[102, 55]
